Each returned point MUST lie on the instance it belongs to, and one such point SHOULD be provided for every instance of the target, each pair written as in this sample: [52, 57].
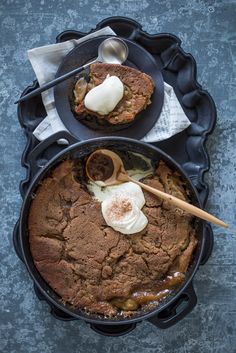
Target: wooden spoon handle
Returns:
[181, 204]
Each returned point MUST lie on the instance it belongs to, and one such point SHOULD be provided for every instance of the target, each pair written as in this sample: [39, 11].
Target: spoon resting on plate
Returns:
[112, 51]
[106, 166]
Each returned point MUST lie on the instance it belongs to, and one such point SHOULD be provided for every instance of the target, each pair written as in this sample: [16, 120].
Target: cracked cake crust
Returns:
[89, 264]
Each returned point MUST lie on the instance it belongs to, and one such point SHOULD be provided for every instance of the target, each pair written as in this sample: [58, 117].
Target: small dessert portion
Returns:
[115, 94]
[81, 244]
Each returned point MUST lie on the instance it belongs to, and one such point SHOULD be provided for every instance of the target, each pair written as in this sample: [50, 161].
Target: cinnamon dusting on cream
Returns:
[118, 208]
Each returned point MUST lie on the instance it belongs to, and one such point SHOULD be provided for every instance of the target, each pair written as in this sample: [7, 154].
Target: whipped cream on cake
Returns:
[121, 207]
[103, 98]
[122, 204]
[123, 214]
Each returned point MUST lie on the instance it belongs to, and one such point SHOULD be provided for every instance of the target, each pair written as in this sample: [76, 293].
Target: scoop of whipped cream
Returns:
[103, 98]
[102, 192]
[122, 209]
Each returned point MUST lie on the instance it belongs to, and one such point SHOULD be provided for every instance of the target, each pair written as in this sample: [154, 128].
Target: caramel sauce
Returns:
[155, 294]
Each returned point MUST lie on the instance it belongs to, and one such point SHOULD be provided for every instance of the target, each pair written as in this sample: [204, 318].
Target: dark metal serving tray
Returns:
[187, 148]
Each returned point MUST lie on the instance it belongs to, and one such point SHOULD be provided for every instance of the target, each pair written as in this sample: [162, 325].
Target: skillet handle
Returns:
[105, 330]
[183, 305]
[16, 243]
[55, 312]
[42, 146]
[208, 243]
[60, 315]
[113, 330]
[34, 156]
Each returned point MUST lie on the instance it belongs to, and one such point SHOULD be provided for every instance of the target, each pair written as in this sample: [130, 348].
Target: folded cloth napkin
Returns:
[45, 62]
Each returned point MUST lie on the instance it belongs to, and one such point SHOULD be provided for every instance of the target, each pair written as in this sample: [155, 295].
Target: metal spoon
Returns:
[119, 175]
[112, 50]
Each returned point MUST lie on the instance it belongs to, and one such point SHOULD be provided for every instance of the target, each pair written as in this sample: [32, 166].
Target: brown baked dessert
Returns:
[97, 269]
[138, 88]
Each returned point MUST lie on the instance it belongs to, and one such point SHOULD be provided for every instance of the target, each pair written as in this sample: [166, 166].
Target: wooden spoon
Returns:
[106, 166]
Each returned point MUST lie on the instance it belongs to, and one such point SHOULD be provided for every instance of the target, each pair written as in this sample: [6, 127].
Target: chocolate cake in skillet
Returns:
[100, 270]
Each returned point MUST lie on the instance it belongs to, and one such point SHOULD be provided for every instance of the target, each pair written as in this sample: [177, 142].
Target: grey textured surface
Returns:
[207, 29]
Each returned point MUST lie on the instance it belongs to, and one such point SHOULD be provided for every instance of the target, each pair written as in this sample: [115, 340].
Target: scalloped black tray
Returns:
[179, 70]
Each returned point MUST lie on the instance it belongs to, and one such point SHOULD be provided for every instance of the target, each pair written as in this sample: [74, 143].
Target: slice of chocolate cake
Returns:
[138, 88]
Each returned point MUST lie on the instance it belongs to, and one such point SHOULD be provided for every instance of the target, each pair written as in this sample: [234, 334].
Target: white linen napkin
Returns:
[45, 62]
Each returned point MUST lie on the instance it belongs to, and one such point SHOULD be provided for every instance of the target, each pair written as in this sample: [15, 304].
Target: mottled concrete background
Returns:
[208, 30]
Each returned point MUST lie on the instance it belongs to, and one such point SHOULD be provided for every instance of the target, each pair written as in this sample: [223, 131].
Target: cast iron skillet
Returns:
[181, 302]
[139, 59]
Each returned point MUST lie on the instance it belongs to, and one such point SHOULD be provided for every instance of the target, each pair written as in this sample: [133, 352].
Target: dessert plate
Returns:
[139, 59]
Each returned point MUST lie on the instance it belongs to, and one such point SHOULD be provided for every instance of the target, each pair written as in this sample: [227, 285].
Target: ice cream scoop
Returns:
[104, 98]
